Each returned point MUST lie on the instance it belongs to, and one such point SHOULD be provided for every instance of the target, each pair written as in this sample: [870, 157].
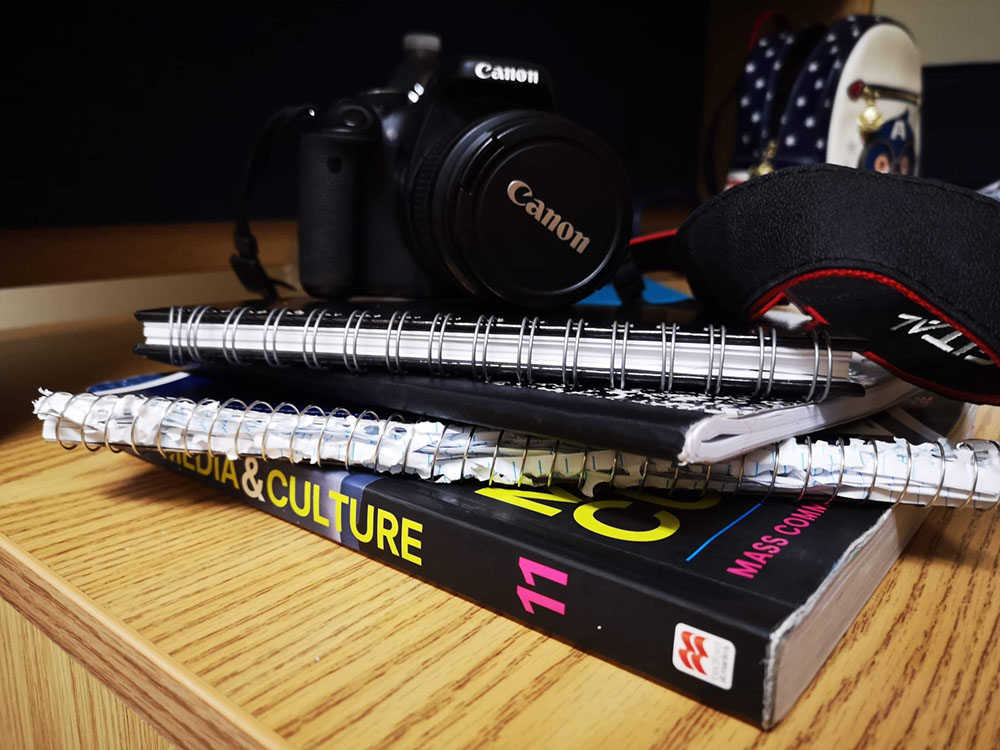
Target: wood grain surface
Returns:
[323, 647]
[51, 701]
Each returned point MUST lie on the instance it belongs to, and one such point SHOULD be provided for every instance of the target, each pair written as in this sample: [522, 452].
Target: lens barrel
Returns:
[525, 206]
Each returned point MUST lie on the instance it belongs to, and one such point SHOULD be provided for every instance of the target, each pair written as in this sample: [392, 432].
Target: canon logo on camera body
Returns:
[489, 71]
[520, 194]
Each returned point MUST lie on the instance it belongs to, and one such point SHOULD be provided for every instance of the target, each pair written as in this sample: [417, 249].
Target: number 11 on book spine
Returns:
[529, 596]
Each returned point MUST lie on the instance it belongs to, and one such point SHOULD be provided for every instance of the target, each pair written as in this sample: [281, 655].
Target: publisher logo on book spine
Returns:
[703, 655]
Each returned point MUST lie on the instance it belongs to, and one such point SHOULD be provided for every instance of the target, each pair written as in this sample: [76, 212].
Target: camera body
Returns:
[459, 182]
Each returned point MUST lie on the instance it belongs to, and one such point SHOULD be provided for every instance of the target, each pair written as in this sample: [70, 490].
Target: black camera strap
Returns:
[246, 261]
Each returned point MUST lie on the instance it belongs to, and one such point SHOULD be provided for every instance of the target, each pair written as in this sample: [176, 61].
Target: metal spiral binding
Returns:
[444, 326]
[708, 478]
[437, 449]
[829, 366]
[843, 468]
[218, 413]
[406, 451]
[673, 482]
[774, 472]
[475, 344]
[809, 468]
[399, 338]
[486, 344]
[170, 335]
[739, 479]
[576, 351]
[871, 487]
[944, 468]
[711, 358]
[996, 500]
[524, 459]
[314, 319]
[263, 407]
[614, 469]
[232, 321]
[975, 473]
[239, 427]
[493, 463]
[582, 476]
[271, 322]
[552, 465]
[318, 455]
[350, 438]
[183, 345]
[465, 453]
[722, 360]
[531, 347]
[565, 351]
[298, 423]
[760, 363]
[353, 365]
[191, 332]
[135, 421]
[673, 355]
[388, 339]
[347, 329]
[83, 424]
[274, 412]
[611, 356]
[159, 426]
[909, 475]
[59, 420]
[385, 430]
[520, 344]
[444, 318]
[774, 362]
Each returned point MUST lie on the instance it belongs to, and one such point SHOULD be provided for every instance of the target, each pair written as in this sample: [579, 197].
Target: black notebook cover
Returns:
[633, 420]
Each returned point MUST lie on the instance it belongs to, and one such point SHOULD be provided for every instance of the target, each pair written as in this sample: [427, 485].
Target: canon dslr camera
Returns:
[459, 181]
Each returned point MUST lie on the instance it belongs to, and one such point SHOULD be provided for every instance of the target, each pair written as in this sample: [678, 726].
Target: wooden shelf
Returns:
[214, 625]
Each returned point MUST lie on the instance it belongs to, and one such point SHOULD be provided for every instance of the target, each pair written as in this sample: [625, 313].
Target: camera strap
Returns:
[909, 265]
[246, 261]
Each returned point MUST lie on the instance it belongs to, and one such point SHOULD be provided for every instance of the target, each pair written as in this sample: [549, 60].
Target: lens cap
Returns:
[532, 208]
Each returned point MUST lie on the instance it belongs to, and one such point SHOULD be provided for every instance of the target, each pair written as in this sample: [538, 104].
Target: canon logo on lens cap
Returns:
[546, 216]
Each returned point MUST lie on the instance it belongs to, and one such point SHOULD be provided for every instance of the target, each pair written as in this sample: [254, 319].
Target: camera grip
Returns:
[330, 220]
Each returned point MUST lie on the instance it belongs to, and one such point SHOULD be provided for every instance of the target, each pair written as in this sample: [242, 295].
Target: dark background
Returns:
[133, 113]
[138, 113]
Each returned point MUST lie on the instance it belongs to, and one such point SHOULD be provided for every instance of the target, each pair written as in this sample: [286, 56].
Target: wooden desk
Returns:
[194, 620]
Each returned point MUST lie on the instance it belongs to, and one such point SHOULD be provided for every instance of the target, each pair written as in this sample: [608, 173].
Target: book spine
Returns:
[591, 604]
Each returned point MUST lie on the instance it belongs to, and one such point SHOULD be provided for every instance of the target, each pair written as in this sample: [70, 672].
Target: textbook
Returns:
[727, 598]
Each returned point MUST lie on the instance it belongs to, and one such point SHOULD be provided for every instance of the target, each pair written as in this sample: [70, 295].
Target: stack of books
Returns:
[706, 506]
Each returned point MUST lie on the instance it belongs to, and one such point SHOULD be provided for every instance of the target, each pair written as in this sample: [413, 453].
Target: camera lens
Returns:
[525, 206]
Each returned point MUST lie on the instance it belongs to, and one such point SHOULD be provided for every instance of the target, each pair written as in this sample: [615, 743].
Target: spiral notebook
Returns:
[572, 352]
[176, 414]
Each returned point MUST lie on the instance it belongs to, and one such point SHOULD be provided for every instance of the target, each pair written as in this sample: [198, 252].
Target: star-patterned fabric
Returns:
[757, 114]
[802, 128]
